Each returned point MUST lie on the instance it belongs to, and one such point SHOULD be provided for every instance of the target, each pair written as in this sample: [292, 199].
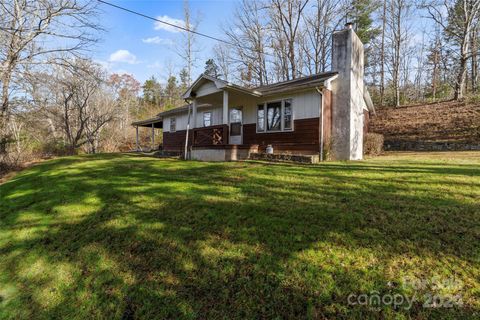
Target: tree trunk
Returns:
[474, 73]
[462, 70]
[462, 74]
[382, 54]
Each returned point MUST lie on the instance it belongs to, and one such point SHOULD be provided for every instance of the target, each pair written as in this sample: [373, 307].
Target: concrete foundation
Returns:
[230, 153]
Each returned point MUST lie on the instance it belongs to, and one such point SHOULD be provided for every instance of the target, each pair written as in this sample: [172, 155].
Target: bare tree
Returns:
[223, 57]
[459, 23]
[474, 58]
[398, 11]
[31, 31]
[286, 17]
[249, 35]
[320, 24]
[382, 53]
[188, 49]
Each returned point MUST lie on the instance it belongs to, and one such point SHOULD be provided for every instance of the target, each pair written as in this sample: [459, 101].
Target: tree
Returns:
[459, 24]
[189, 48]
[319, 28]
[248, 34]
[286, 16]
[85, 107]
[152, 91]
[125, 88]
[360, 13]
[32, 32]
[223, 54]
[211, 68]
[172, 93]
[398, 12]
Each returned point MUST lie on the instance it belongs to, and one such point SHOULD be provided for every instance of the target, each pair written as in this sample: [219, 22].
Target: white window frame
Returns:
[174, 120]
[211, 118]
[282, 116]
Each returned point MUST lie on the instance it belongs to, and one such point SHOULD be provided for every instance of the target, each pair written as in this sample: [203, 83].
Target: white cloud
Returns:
[123, 56]
[166, 27]
[155, 65]
[158, 40]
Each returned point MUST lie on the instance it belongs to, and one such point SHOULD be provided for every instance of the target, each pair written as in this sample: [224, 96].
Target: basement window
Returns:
[275, 116]
[173, 124]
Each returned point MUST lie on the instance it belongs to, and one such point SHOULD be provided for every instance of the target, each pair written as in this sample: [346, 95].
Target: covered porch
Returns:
[151, 124]
[218, 110]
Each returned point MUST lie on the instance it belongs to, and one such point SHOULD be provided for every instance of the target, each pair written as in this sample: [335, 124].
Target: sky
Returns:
[144, 48]
[141, 47]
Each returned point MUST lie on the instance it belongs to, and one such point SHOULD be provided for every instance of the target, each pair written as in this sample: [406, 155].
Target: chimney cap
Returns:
[349, 25]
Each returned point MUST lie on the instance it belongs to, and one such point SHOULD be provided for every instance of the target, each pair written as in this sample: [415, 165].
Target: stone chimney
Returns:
[347, 110]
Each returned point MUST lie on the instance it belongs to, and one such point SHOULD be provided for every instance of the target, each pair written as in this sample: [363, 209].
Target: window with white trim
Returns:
[260, 118]
[207, 119]
[173, 124]
[275, 116]
[287, 115]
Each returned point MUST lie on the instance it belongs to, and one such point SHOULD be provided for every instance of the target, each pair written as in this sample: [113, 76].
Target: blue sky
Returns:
[136, 45]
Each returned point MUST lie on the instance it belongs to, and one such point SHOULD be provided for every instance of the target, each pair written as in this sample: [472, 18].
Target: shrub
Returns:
[373, 144]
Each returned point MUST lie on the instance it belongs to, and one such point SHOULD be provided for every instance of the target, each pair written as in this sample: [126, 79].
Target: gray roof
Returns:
[303, 82]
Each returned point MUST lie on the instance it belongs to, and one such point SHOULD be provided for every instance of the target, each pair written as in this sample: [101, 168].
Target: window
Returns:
[260, 118]
[287, 115]
[173, 124]
[236, 121]
[235, 115]
[207, 119]
[275, 116]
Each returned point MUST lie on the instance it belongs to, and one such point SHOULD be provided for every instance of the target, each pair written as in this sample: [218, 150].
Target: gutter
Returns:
[186, 135]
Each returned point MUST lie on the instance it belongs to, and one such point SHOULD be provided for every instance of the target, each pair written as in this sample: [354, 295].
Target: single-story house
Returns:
[309, 115]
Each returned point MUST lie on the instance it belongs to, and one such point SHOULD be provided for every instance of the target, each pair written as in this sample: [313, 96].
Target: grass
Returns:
[123, 236]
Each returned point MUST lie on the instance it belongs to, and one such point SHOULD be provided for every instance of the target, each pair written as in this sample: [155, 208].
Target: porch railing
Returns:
[210, 136]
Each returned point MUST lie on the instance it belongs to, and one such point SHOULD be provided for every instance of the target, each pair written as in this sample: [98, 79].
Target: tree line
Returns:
[415, 51]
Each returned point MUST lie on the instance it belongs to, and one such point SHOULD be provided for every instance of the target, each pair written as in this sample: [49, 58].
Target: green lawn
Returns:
[112, 236]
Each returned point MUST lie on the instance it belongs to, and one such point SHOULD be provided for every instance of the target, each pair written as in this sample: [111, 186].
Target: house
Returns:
[308, 115]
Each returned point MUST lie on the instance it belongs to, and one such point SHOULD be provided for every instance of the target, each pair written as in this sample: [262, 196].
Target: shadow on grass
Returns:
[131, 237]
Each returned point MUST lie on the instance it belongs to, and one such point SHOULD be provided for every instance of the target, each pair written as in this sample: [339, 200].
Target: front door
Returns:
[236, 130]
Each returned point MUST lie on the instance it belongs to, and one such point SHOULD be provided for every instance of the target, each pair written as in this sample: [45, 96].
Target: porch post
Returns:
[153, 136]
[138, 148]
[194, 113]
[225, 107]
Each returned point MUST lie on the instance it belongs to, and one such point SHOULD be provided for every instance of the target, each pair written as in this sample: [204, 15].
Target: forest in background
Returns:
[56, 100]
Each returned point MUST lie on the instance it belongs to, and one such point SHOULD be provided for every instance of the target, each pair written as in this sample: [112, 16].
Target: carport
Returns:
[153, 123]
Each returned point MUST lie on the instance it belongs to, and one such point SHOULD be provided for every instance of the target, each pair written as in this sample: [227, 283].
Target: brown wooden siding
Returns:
[303, 139]
[175, 141]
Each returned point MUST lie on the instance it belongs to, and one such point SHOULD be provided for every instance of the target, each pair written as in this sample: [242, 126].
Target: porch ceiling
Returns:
[156, 122]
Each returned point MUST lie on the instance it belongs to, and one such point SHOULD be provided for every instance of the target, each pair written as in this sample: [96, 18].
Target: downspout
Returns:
[321, 122]
[188, 129]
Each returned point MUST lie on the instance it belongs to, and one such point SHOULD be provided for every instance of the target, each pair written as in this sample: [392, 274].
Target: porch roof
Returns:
[219, 84]
[156, 121]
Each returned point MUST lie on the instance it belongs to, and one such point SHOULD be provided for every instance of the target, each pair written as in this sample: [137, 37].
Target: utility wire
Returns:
[182, 28]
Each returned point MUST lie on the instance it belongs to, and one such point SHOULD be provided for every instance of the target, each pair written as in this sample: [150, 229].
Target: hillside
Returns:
[439, 126]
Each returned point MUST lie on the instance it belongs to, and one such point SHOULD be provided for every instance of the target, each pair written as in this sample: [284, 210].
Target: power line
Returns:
[181, 28]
